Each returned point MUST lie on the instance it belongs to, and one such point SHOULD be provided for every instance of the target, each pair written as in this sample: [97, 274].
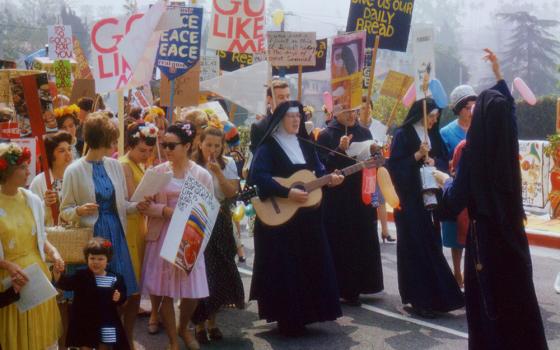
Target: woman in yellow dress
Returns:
[23, 242]
[140, 139]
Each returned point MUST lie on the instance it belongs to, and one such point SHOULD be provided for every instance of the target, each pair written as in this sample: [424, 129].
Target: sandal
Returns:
[191, 344]
[201, 336]
[153, 328]
[215, 334]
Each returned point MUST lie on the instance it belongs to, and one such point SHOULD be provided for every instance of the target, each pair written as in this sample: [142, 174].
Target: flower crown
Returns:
[155, 110]
[12, 155]
[148, 130]
[65, 110]
[216, 124]
[187, 129]
[308, 109]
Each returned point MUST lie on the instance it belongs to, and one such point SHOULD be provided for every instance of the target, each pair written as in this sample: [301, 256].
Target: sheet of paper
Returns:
[360, 150]
[151, 184]
[38, 290]
[378, 132]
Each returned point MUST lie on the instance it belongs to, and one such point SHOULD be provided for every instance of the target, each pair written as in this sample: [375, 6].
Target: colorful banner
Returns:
[535, 170]
[389, 19]
[424, 55]
[63, 74]
[320, 61]
[209, 68]
[60, 42]
[347, 64]
[230, 61]
[291, 48]
[179, 49]
[237, 26]
[191, 225]
[83, 71]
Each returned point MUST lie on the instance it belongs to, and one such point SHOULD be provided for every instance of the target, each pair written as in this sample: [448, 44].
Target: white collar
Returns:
[419, 128]
[289, 144]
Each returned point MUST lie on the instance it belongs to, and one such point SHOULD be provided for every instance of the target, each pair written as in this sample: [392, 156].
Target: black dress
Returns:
[293, 276]
[351, 225]
[502, 307]
[425, 278]
[224, 281]
[93, 308]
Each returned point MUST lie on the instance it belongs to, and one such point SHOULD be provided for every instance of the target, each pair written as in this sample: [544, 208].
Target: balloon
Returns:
[387, 188]
[410, 96]
[278, 17]
[239, 213]
[438, 93]
[249, 210]
[525, 91]
[327, 100]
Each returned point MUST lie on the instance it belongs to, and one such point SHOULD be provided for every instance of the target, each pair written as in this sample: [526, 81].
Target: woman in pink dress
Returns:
[162, 280]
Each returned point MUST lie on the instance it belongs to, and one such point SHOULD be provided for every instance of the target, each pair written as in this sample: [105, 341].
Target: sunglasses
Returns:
[170, 145]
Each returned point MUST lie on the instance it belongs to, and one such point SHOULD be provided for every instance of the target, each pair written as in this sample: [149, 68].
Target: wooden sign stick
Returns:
[372, 70]
[393, 114]
[300, 71]
[120, 98]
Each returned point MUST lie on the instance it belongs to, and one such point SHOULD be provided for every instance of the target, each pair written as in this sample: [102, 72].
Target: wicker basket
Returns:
[70, 242]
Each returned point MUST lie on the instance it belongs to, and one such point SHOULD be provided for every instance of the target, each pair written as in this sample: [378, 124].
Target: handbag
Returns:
[70, 242]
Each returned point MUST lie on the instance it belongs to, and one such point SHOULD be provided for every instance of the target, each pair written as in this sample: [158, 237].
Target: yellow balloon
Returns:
[387, 188]
[277, 17]
[239, 213]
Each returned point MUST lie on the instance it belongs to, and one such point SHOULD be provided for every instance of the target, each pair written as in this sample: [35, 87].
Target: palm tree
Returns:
[130, 6]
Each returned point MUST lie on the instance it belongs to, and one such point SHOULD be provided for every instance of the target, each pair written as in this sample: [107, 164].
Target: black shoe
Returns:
[291, 331]
[351, 301]
[424, 313]
[388, 238]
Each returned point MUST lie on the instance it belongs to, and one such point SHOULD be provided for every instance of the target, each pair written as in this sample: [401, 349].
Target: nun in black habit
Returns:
[502, 308]
[351, 225]
[425, 279]
[293, 276]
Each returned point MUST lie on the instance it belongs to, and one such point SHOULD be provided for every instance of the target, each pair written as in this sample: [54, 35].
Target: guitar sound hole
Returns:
[299, 186]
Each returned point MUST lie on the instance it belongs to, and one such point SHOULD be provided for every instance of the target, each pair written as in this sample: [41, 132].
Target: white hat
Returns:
[460, 95]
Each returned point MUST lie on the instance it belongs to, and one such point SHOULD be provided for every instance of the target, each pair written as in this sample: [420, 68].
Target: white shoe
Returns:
[557, 283]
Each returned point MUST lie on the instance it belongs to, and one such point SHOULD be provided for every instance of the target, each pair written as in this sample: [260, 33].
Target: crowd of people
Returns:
[305, 268]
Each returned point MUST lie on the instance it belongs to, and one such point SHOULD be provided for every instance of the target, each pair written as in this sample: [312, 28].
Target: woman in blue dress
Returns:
[294, 279]
[94, 194]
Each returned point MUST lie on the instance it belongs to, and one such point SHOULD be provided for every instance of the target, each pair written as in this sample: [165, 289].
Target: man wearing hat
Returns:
[462, 99]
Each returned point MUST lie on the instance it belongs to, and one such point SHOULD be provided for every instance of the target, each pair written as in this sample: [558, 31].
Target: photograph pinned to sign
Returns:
[37, 291]
[291, 48]
[60, 42]
[191, 225]
[237, 26]
[347, 59]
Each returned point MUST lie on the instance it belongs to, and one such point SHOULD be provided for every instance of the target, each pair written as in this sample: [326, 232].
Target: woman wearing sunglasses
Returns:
[162, 280]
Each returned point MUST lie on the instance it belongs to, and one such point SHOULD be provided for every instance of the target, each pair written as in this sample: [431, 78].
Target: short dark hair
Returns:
[98, 246]
[132, 141]
[86, 104]
[60, 121]
[99, 131]
[185, 131]
[276, 84]
[52, 141]
[135, 113]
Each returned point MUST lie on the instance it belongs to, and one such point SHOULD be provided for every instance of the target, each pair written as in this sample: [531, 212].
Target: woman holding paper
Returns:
[140, 141]
[23, 242]
[94, 194]
[162, 280]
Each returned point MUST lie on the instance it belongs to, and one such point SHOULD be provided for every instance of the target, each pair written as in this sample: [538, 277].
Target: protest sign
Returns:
[210, 67]
[424, 56]
[83, 71]
[388, 19]
[217, 108]
[186, 89]
[320, 61]
[63, 74]
[396, 84]
[9, 130]
[60, 42]
[237, 26]
[347, 70]
[23, 102]
[245, 87]
[5, 76]
[139, 98]
[230, 61]
[291, 48]
[179, 48]
[535, 170]
[82, 88]
[191, 225]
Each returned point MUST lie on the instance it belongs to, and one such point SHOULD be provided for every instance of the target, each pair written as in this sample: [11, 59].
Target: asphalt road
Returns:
[380, 323]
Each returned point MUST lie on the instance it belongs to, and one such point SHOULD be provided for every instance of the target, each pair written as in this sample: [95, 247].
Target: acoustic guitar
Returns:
[275, 211]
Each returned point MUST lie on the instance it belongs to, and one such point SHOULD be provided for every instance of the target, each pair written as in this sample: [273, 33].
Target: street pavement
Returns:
[380, 323]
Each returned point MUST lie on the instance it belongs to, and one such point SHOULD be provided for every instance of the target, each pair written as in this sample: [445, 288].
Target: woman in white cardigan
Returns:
[23, 243]
[93, 195]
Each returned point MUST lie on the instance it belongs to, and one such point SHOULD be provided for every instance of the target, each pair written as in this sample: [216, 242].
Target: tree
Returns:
[130, 6]
[451, 71]
[79, 28]
[531, 51]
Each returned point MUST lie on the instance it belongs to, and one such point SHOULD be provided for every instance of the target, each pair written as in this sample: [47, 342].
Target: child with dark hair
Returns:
[94, 319]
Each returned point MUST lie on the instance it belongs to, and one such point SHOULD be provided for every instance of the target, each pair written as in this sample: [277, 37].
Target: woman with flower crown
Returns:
[67, 120]
[162, 280]
[140, 141]
[23, 242]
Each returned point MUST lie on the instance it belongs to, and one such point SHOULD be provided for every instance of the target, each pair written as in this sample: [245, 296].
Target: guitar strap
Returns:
[328, 149]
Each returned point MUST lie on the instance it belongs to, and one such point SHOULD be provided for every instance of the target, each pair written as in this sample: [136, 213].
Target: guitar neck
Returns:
[324, 180]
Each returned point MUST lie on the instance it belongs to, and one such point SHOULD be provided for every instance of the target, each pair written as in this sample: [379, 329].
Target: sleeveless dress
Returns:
[108, 226]
[136, 224]
[39, 327]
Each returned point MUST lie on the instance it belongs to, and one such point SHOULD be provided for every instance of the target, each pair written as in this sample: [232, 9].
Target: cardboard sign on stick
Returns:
[186, 89]
[60, 42]
[291, 48]
[396, 84]
[82, 88]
